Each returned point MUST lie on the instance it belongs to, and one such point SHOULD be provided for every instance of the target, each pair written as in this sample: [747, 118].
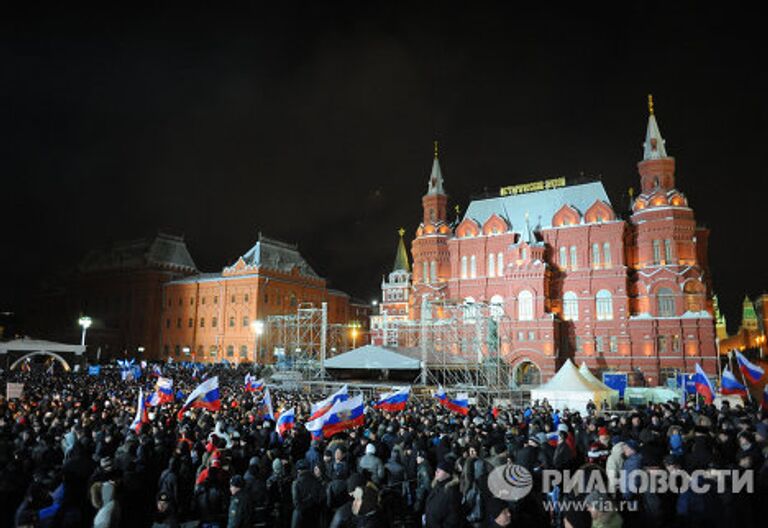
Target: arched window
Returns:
[607, 254]
[665, 302]
[604, 305]
[595, 256]
[473, 267]
[424, 272]
[574, 258]
[464, 267]
[563, 257]
[491, 265]
[525, 306]
[433, 271]
[497, 306]
[570, 306]
[500, 265]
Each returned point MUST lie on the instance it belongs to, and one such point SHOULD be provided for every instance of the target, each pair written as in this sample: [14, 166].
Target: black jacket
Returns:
[443, 508]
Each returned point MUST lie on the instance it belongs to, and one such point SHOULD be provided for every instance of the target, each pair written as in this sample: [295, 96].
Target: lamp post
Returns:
[258, 328]
[86, 323]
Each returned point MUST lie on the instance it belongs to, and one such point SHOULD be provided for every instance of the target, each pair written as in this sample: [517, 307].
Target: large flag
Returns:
[322, 407]
[285, 422]
[752, 372]
[730, 385]
[252, 384]
[460, 404]
[703, 385]
[157, 370]
[163, 392]
[206, 395]
[266, 404]
[394, 401]
[343, 415]
[141, 414]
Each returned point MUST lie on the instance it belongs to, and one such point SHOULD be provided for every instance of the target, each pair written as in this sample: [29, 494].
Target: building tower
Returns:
[395, 294]
[672, 326]
[431, 257]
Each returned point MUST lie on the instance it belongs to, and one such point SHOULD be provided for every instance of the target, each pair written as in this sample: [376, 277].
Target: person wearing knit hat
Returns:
[498, 513]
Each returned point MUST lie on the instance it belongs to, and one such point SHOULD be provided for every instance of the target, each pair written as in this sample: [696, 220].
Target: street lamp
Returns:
[258, 329]
[86, 323]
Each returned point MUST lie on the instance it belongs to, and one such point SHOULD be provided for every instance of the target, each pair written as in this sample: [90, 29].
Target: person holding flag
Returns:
[322, 407]
[266, 405]
[754, 373]
[343, 415]
[206, 396]
[703, 385]
[163, 392]
[458, 405]
[394, 401]
[142, 416]
[729, 385]
[252, 384]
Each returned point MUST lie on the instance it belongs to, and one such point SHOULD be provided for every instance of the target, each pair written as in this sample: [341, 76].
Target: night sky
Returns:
[314, 124]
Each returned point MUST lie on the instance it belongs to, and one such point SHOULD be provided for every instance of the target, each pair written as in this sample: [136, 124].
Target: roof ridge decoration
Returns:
[653, 147]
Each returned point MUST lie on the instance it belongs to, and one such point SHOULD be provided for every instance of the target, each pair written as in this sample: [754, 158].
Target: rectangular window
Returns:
[232, 299]
[202, 300]
[200, 351]
[464, 267]
[521, 336]
[433, 271]
[579, 344]
[245, 320]
[202, 322]
[214, 322]
[191, 323]
[656, 252]
[231, 322]
[177, 350]
[614, 344]
[607, 254]
[246, 298]
[574, 258]
[473, 267]
[424, 272]
[600, 344]
[181, 301]
[213, 351]
[244, 351]
[531, 335]
[215, 299]
[230, 350]
[491, 265]
[668, 251]
[563, 258]
[500, 265]
[676, 344]
[662, 344]
[191, 301]
[595, 256]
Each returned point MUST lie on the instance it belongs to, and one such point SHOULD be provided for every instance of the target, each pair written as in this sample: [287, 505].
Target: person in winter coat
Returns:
[169, 479]
[108, 515]
[371, 464]
[473, 500]
[239, 515]
[633, 463]
[442, 509]
[165, 516]
[614, 464]
[279, 494]
[307, 494]
[423, 482]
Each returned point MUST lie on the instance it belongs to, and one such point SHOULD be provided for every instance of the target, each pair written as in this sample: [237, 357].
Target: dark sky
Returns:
[314, 124]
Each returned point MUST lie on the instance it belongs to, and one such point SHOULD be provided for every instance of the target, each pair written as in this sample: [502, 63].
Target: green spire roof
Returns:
[401, 257]
[748, 315]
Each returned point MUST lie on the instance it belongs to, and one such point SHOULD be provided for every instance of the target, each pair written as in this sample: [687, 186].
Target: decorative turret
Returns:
[435, 201]
[657, 170]
[401, 257]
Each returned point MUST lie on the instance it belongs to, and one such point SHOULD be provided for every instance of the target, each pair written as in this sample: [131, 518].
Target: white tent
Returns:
[372, 357]
[569, 388]
[614, 398]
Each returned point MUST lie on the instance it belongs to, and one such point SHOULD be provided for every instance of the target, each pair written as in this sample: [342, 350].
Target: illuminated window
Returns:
[661, 344]
[665, 302]
[531, 335]
[521, 336]
[570, 306]
[677, 345]
[525, 306]
[613, 344]
[668, 251]
[595, 256]
[500, 265]
[607, 254]
[600, 344]
[604, 305]
[433, 271]
[656, 252]
[491, 265]
[473, 267]
[464, 267]
[574, 258]
[563, 257]
[424, 272]
[497, 306]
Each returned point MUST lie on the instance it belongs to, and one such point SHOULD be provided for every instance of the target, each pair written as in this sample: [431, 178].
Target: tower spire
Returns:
[401, 257]
[435, 185]
[653, 148]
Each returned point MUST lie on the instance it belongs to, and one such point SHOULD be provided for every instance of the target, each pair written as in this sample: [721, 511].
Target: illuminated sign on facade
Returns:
[532, 187]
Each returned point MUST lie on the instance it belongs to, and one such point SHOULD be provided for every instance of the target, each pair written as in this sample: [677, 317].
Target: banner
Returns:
[94, 370]
[616, 381]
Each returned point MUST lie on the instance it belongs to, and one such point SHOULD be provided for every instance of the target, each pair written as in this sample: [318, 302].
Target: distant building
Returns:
[566, 277]
[120, 288]
[211, 316]
[751, 332]
[395, 298]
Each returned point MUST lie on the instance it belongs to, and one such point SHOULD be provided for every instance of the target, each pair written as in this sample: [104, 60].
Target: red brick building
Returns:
[566, 277]
[208, 317]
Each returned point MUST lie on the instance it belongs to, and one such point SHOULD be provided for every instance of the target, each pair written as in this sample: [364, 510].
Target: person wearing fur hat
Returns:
[442, 506]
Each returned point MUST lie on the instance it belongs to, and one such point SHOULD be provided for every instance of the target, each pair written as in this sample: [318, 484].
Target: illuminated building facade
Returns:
[566, 277]
[395, 298]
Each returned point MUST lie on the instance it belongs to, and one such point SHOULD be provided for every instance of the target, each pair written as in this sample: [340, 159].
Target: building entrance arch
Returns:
[16, 364]
[526, 373]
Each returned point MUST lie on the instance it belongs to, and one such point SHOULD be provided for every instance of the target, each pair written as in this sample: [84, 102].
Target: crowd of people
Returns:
[68, 458]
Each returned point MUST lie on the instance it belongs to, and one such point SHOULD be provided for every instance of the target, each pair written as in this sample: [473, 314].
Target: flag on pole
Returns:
[252, 384]
[141, 414]
[266, 404]
[460, 404]
[163, 392]
[322, 407]
[343, 415]
[206, 395]
[703, 385]
[729, 385]
[394, 401]
[285, 422]
[752, 372]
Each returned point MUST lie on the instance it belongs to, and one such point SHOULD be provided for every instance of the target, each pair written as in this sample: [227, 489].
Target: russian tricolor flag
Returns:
[459, 405]
[266, 404]
[142, 416]
[752, 372]
[730, 385]
[703, 385]
[394, 401]
[346, 414]
[252, 384]
[285, 422]
[322, 407]
[163, 391]
[206, 395]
